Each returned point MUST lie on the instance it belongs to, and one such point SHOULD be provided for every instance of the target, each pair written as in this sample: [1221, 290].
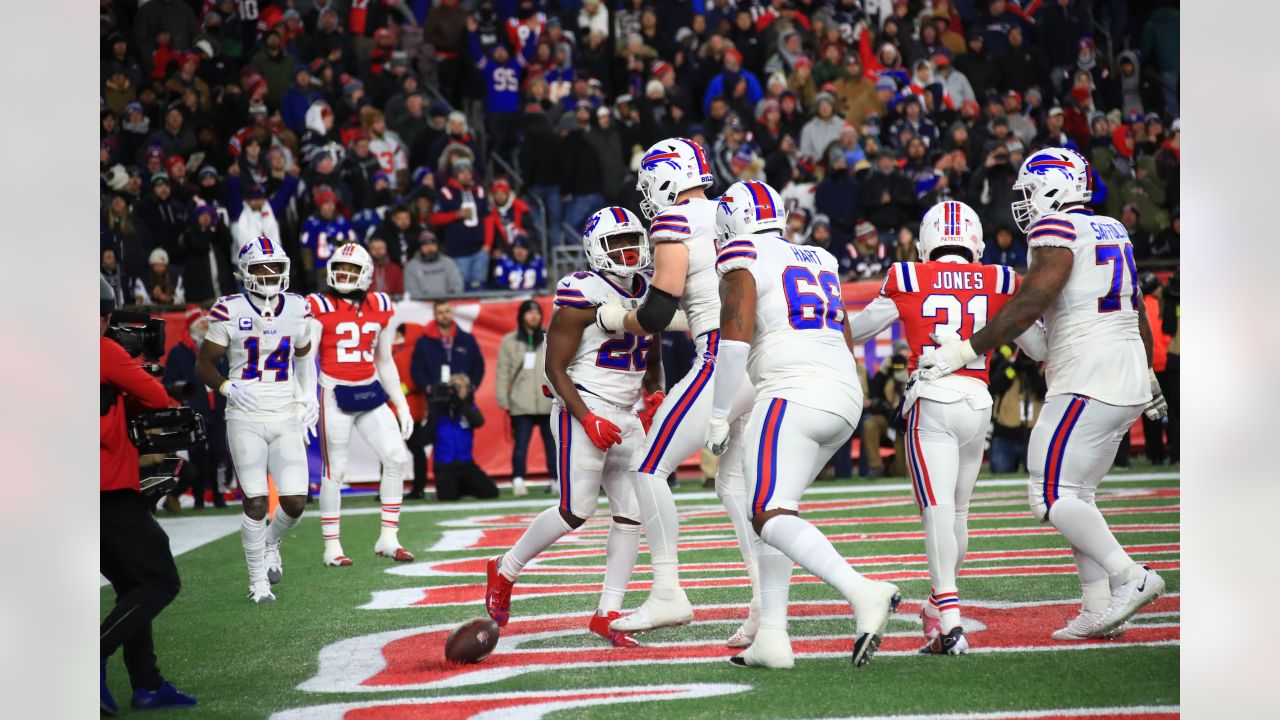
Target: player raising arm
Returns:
[1084, 283]
[783, 323]
[264, 330]
[597, 381]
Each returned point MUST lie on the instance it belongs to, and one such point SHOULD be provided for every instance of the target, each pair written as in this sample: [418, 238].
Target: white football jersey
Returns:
[693, 222]
[1091, 329]
[609, 367]
[798, 350]
[260, 342]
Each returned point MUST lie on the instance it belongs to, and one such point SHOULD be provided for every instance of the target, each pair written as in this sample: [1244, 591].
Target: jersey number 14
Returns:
[277, 362]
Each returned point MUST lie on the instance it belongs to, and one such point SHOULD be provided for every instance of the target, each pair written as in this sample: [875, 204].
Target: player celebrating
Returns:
[947, 294]
[597, 380]
[674, 176]
[265, 331]
[1084, 283]
[783, 321]
[352, 328]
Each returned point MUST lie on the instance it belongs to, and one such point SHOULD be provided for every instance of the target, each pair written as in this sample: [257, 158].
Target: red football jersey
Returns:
[940, 297]
[347, 348]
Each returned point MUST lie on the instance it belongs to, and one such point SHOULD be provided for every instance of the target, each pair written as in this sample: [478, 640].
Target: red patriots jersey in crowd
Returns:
[947, 298]
[348, 346]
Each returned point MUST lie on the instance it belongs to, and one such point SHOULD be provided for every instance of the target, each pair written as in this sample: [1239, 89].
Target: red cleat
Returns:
[338, 561]
[497, 594]
[600, 625]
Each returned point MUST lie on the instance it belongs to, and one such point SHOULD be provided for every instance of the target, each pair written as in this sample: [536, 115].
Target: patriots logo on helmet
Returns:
[653, 159]
[591, 225]
[1043, 164]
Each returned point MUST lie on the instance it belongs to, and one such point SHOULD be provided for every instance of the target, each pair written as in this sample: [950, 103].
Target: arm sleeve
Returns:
[731, 370]
[874, 318]
[122, 371]
[388, 373]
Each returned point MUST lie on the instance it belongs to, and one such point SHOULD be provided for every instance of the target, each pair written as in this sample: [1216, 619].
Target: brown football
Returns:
[471, 641]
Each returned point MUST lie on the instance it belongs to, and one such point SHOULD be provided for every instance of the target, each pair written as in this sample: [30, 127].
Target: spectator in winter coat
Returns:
[915, 121]
[174, 16]
[583, 178]
[160, 286]
[275, 66]
[399, 232]
[822, 130]
[887, 197]
[388, 277]
[322, 234]
[166, 217]
[462, 215]
[457, 134]
[855, 92]
[444, 343]
[983, 72]
[513, 213]
[386, 146]
[543, 168]
[991, 189]
[521, 355]
[1023, 65]
[1005, 249]
[734, 82]
[207, 274]
[1053, 133]
[296, 102]
[256, 219]
[957, 85]
[429, 274]
[520, 268]
[836, 199]
[1020, 125]
[127, 236]
[870, 257]
[172, 137]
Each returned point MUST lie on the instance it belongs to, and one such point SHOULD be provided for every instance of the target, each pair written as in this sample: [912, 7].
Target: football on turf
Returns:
[471, 641]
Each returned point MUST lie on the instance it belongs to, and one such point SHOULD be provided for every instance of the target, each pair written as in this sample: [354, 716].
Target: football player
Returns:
[597, 380]
[783, 323]
[946, 294]
[1084, 283]
[265, 332]
[674, 177]
[353, 331]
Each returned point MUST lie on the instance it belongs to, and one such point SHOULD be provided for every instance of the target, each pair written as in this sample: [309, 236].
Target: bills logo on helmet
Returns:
[591, 225]
[654, 159]
[1042, 164]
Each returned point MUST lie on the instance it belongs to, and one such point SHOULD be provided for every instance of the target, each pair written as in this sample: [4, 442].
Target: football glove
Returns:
[652, 401]
[717, 440]
[310, 418]
[610, 317]
[948, 357]
[405, 418]
[242, 395]
[1158, 408]
[603, 433]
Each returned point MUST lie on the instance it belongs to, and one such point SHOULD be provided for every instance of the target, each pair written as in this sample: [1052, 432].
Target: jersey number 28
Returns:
[630, 352]
[350, 340]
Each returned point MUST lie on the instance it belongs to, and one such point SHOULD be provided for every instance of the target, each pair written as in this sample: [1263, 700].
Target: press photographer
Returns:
[454, 419]
[135, 554]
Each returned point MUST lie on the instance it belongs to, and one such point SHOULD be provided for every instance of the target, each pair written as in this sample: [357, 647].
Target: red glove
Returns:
[652, 402]
[603, 433]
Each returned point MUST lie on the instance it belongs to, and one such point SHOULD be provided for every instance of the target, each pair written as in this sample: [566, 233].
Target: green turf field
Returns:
[366, 641]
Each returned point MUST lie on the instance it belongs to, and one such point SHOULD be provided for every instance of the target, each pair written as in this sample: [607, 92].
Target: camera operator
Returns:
[1018, 387]
[135, 554]
[453, 421]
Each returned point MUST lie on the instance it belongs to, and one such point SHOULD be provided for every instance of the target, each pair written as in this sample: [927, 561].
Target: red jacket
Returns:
[118, 458]
[1159, 341]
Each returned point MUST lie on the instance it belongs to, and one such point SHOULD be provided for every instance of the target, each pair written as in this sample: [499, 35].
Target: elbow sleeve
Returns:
[658, 309]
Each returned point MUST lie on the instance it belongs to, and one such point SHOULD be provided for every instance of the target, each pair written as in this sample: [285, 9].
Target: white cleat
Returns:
[873, 604]
[771, 649]
[1130, 597]
[746, 634]
[275, 566]
[391, 549]
[656, 613]
[260, 593]
[517, 487]
[1085, 626]
[334, 557]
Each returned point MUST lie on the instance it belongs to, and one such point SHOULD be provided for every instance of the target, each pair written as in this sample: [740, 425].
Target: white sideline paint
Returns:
[1118, 711]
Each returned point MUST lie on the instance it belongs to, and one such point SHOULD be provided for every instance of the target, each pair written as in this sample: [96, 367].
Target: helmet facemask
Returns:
[621, 253]
[349, 277]
[266, 277]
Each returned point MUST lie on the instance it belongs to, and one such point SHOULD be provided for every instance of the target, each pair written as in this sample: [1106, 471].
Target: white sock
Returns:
[811, 550]
[940, 549]
[330, 511]
[1095, 589]
[253, 536]
[281, 523]
[1083, 526]
[961, 528]
[658, 514]
[735, 505]
[545, 529]
[391, 493]
[620, 560]
[775, 584]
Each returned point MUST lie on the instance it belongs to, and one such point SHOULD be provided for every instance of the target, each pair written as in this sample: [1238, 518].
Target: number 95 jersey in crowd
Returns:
[348, 345]
[608, 367]
[260, 342]
[798, 350]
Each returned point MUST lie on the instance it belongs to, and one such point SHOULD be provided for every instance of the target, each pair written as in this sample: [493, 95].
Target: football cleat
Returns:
[166, 696]
[1085, 626]
[108, 703]
[873, 604]
[275, 567]
[260, 593]
[771, 649]
[395, 552]
[953, 643]
[931, 620]
[338, 560]
[746, 633]
[1130, 597]
[517, 487]
[600, 626]
[656, 613]
[497, 593]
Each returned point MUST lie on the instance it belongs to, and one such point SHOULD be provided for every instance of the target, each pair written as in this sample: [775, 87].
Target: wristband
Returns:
[224, 388]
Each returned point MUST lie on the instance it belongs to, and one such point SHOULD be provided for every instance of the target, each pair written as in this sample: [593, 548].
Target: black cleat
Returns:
[952, 643]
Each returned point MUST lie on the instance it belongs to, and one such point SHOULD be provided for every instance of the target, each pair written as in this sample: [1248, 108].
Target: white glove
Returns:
[610, 317]
[946, 358]
[717, 436]
[1158, 408]
[310, 418]
[242, 395]
[405, 419]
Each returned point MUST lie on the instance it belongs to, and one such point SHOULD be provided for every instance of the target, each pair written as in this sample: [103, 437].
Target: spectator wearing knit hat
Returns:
[386, 146]
[275, 66]
[887, 198]
[462, 215]
[822, 130]
[388, 277]
[512, 213]
[520, 268]
[160, 285]
[429, 274]
[256, 219]
[977, 65]
[165, 217]
[733, 81]
[322, 234]
[122, 232]
[869, 256]
[207, 273]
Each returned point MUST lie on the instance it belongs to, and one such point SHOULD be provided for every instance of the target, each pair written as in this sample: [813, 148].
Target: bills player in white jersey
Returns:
[265, 332]
[783, 325]
[1084, 283]
[597, 380]
[674, 176]
[947, 419]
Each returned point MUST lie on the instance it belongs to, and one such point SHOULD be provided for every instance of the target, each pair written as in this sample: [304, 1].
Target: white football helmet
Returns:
[749, 207]
[669, 168]
[1049, 179]
[950, 223]
[616, 242]
[345, 281]
[263, 254]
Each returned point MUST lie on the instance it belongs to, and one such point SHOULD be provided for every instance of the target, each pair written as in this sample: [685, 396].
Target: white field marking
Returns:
[540, 704]
[1115, 711]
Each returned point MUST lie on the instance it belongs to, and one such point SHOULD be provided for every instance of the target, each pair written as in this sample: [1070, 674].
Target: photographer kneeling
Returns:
[454, 419]
[135, 550]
